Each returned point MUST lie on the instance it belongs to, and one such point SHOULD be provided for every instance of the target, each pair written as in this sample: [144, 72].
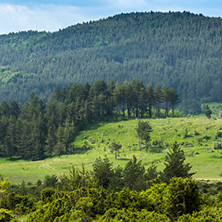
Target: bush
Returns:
[47, 195]
[5, 215]
[182, 196]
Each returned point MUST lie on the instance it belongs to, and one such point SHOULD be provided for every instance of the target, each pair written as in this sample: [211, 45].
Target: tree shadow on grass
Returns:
[154, 149]
[14, 158]
[124, 159]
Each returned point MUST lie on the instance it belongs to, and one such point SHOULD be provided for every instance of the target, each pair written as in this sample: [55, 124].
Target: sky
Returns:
[52, 15]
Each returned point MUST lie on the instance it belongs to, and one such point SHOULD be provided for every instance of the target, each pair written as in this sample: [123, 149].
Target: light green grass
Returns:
[167, 131]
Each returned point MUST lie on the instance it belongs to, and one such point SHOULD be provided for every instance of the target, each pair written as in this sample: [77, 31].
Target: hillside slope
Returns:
[182, 50]
[200, 139]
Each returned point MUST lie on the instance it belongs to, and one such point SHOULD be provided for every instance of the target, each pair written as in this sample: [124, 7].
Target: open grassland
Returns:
[197, 136]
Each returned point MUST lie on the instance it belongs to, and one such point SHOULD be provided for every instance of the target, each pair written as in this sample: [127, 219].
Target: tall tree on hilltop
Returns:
[110, 97]
[118, 97]
[174, 99]
[157, 97]
[23, 138]
[15, 109]
[150, 99]
[128, 92]
[50, 140]
[136, 86]
[59, 146]
[143, 101]
[10, 138]
[68, 134]
[166, 94]
[38, 136]
[4, 109]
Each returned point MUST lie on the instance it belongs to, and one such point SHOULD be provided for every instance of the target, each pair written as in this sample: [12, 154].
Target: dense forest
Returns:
[181, 50]
[37, 129]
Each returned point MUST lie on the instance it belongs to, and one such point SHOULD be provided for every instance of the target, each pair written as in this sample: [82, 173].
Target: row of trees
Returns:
[37, 129]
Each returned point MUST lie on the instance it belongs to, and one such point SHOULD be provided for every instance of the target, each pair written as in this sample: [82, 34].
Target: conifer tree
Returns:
[207, 111]
[60, 146]
[128, 92]
[174, 99]
[166, 94]
[134, 174]
[118, 97]
[10, 138]
[150, 99]
[50, 140]
[157, 97]
[175, 165]
[103, 171]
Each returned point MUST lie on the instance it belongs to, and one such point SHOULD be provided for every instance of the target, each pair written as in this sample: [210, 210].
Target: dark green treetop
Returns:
[175, 165]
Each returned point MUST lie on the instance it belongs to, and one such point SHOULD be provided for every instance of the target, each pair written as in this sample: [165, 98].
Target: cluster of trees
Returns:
[38, 129]
[181, 50]
[114, 194]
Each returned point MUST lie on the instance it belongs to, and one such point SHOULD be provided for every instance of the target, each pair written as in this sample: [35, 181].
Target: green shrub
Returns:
[5, 215]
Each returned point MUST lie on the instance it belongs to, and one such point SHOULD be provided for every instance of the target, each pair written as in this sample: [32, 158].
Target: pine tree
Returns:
[15, 109]
[166, 93]
[110, 98]
[207, 111]
[142, 100]
[174, 99]
[10, 138]
[118, 97]
[150, 98]
[128, 92]
[143, 132]
[136, 87]
[60, 146]
[157, 97]
[134, 174]
[68, 134]
[50, 141]
[175, 164]
[103, 171]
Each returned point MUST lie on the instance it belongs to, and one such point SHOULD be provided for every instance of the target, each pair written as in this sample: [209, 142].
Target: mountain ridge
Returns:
[182, 50]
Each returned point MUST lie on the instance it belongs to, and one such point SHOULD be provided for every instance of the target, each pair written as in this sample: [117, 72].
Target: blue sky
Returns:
[52, 15]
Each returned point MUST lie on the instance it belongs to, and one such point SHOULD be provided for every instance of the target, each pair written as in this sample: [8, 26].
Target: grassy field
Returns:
[197, 137]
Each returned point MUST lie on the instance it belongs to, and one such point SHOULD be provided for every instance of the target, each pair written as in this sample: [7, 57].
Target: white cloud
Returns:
[129, 4]
[14, 18]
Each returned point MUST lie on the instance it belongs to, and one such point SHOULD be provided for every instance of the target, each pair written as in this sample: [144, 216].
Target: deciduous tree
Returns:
[143, 132]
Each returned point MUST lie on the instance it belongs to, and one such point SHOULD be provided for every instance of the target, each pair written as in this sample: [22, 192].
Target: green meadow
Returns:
[200, 138]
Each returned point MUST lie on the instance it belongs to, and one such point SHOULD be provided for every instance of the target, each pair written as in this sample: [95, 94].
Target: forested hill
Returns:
[182, 50]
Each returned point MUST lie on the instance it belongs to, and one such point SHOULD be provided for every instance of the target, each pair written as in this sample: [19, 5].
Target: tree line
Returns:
[38, 129]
